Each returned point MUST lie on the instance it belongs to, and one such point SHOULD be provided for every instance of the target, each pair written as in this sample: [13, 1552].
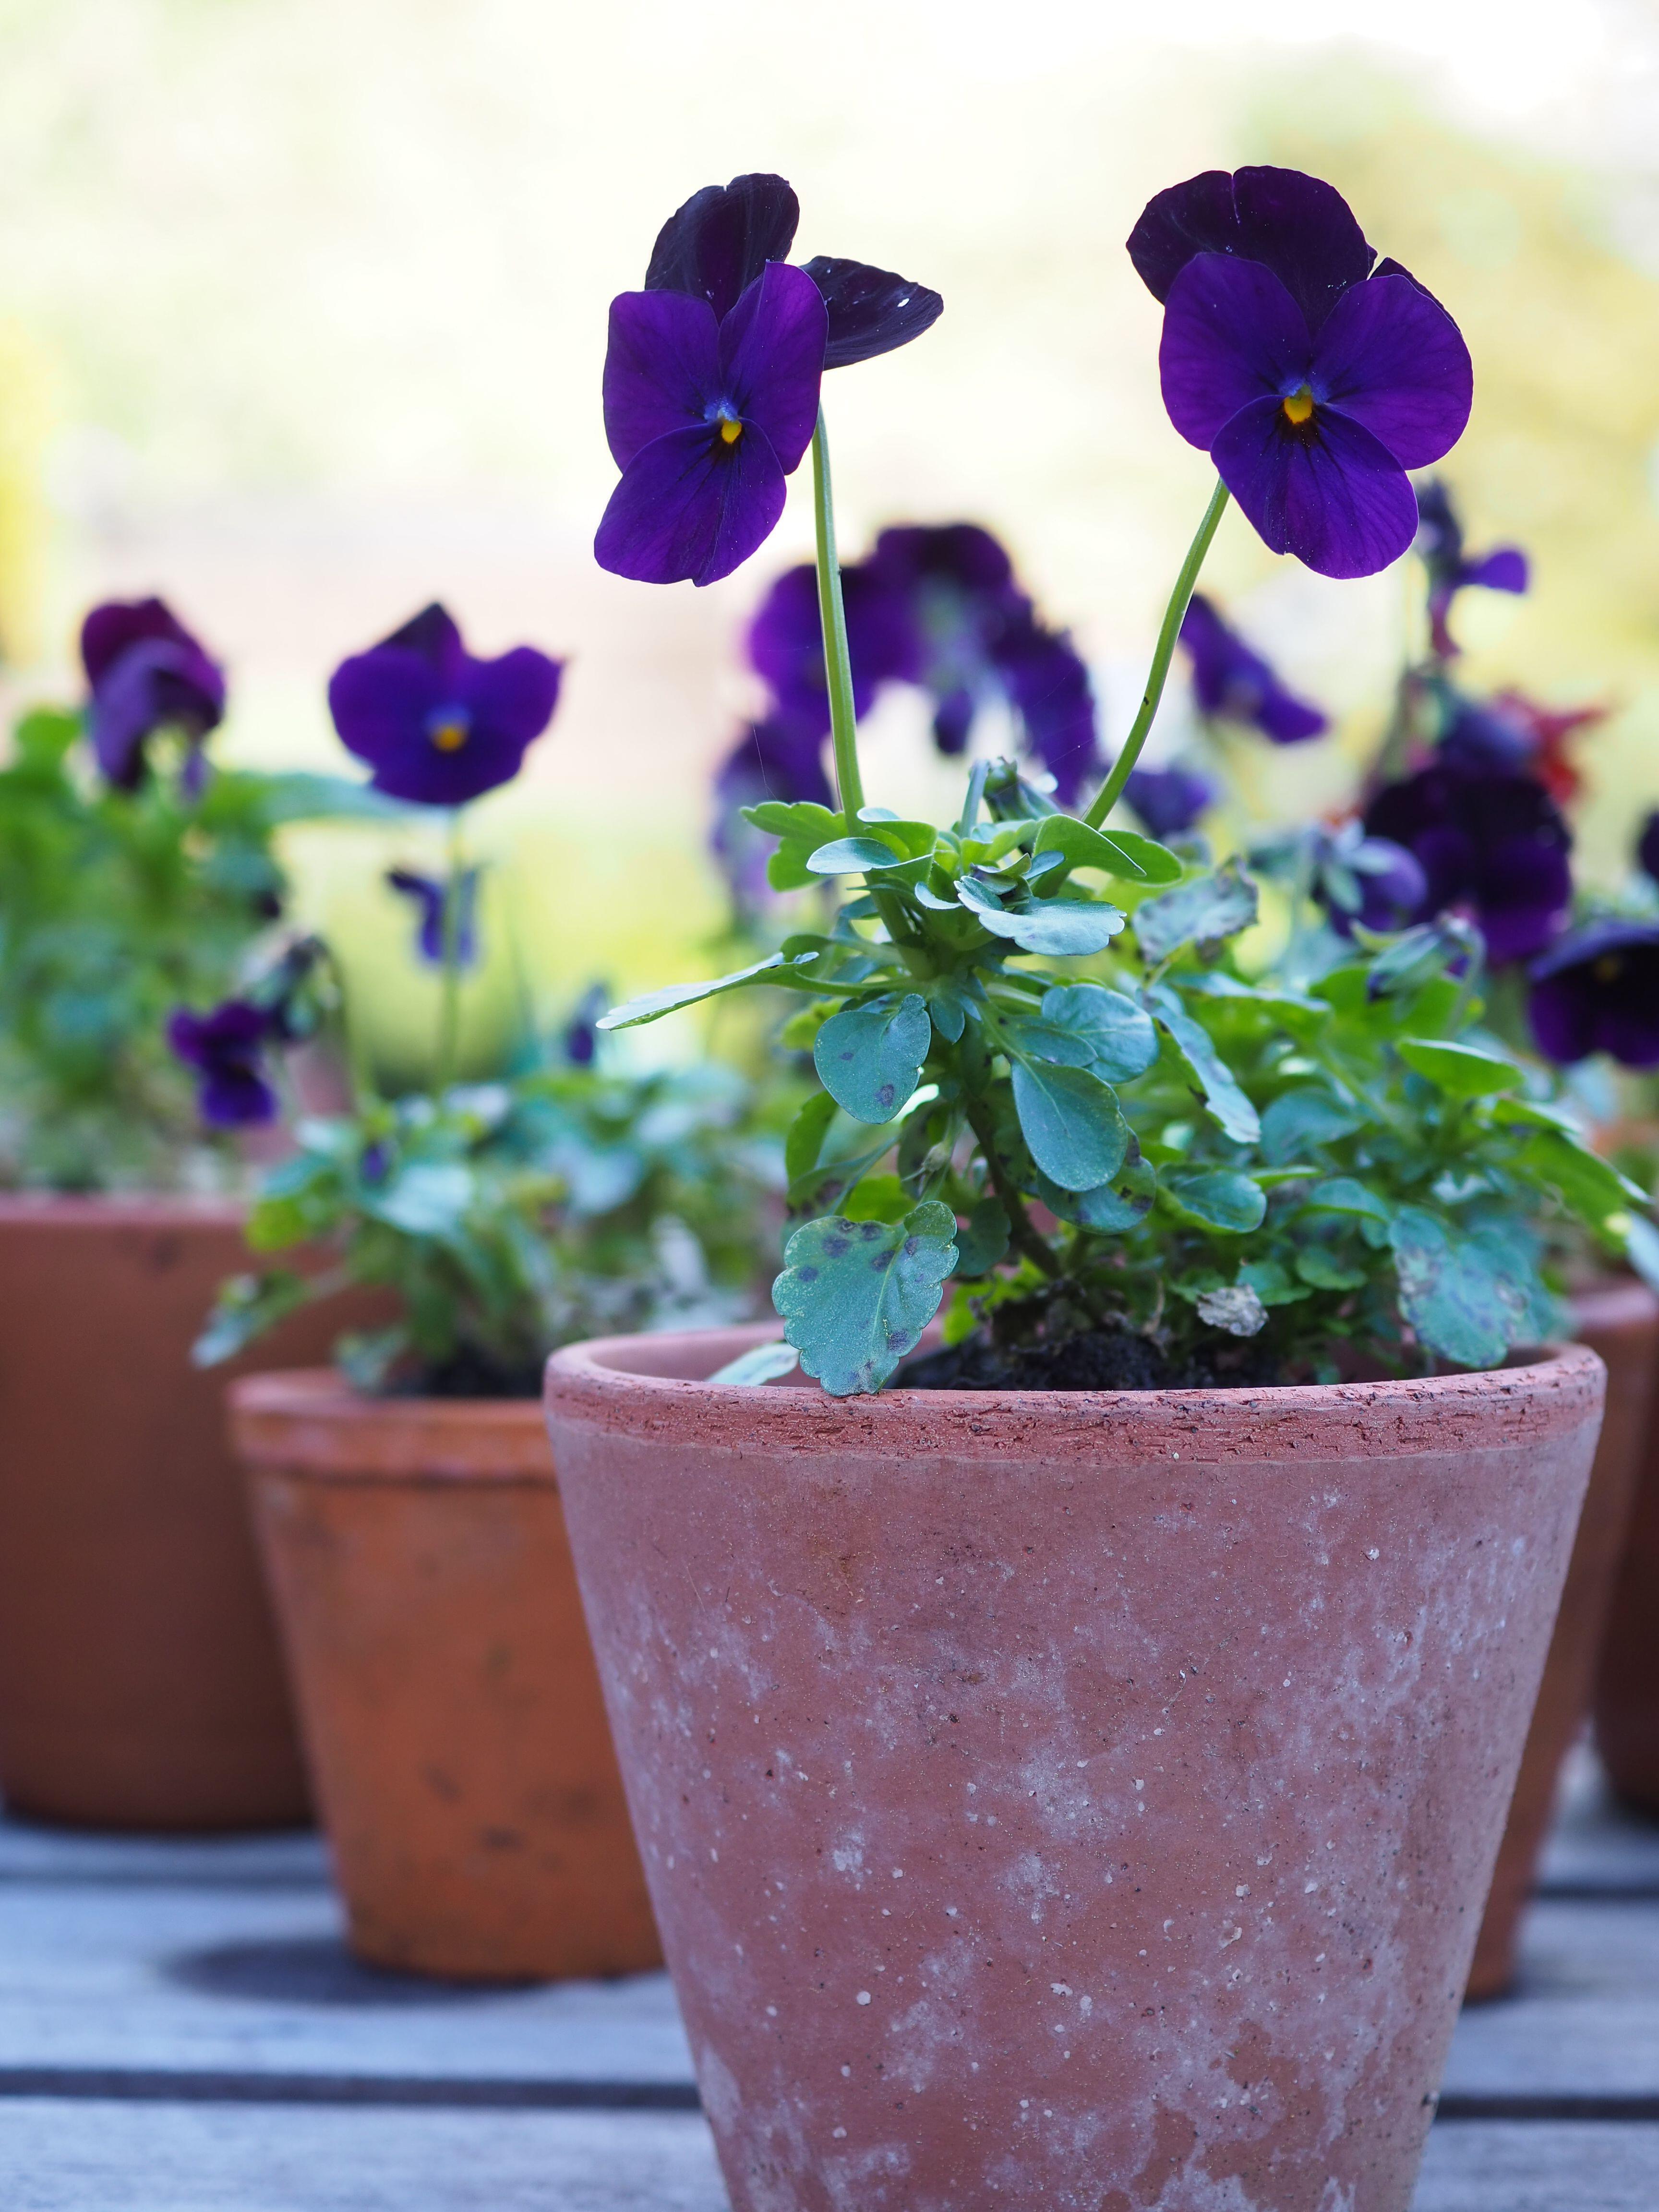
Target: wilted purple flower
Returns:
[1313, 380]
[581, 1038]
[1492, 844]
[226, 1047]
[1168, 800]
[712, 376]
[1647, 848]
[1366, 882]
[145, 673]
[1440, 542]
[432, 896]
[1230, 679]
[435, 726]
[1598, 991]
[785, 642]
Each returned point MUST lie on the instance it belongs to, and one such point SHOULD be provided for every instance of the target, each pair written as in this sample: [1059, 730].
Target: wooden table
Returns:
[181, 2032]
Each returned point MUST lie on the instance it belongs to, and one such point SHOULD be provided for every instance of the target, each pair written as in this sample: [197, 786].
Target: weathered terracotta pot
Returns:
[1620, 1323]
[140, 1685]
[1627, 1683]
[1083, 1800]
[447, 1688]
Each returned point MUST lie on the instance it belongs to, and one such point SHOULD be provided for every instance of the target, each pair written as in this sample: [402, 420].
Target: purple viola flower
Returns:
[786, 643]
[1312, 380]
[1440, 542]
[1598, 991]
[712, 376]
[579, 1040]
[432, 897]
[146, 672]
[1364, 882]
[436, 726]
[1168, 800]
[1230, 679]
[1494, 844]
[1647, 848]
[226, 1047]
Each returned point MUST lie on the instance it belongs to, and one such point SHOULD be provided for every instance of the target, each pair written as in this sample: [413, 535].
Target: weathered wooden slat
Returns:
[205, 2158]
[1586, 2014]
[32, 1853]
[1506, 2166]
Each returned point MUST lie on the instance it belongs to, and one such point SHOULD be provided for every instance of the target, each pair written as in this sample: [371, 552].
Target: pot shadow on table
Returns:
[318, 1970]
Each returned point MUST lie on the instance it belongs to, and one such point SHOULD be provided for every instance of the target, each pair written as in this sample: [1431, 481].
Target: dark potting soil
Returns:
[469, 1375]
[1102, 1359]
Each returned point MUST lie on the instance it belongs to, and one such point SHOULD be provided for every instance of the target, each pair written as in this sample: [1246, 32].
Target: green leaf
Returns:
[984, 1243]
[428, 1198]
[1111, 1207]
[1592, 1187]
[1204, 913]
[655, 1004]
[1459, 1070]
[1071, 1123]
[1459, 1292]
[808, 1131]
[868, 1057]
[855, 1296]
[802, 822]
[247, 1305]
[1270, 1284]
[1298, 1121]
[1063, 929]
[1642, 1250]
[947, 1008]
[762, 1363]
[1342, 1194]
[878, 1198]
[1116, 1036]
[300, 795]
[1122, 853]
[914, 839]
[1222, 1095]
[1217, 1197]
[852, 856]
[1317, 1265]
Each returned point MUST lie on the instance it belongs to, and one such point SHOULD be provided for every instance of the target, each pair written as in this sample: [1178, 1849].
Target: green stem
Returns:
[832, 615]
[1021, 1235]
[449, 1003]
[1112, 790]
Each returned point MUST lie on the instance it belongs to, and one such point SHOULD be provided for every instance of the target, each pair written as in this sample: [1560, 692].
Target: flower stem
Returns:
[1112, 790]
[832, 616]
[449, 1003]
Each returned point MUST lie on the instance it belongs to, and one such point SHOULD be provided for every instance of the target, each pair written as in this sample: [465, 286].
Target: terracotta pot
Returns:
[1620, 1323]
[447, 1694]
[1076, 1800]
[140, 1685]
[1627, 1682]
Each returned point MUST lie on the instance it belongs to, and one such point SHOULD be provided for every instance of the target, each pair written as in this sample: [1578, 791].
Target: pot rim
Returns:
[308, 1421]
[606, 1383]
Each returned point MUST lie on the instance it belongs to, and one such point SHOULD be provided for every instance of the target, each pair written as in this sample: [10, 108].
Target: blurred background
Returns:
[302, 309]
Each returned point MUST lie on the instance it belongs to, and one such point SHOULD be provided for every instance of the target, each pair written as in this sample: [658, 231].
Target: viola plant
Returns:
[134, 877]
[500, 1218]
[1047, 1081]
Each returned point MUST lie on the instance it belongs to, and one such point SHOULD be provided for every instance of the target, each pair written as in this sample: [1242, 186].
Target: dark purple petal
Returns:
[1503, 570]
[1229, 678]
[440, 732]
[1481, 740]
[1390, 358]
[690, 507]
[958, 553]
[1647, 848]
[1300, 228]
[1168, 800]
[432, 897]
[785, 640]
[110, 629]
[1325, 491]
[511, 700]
[433, 634]
[224, 1049]
[771, 359]
[1048, 686]
[146, 672]
[1495, 844]
[715, 246]
[1598, 991]
[1439, 533]
[1232, 334]
[1522, 889]
[580, 1039]
[662, 369]
[871, 311]
[953, 722]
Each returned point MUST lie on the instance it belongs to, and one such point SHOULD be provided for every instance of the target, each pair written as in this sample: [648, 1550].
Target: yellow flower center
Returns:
[731, 432]
[1299, 406]
[450, 733]
[1607, 968]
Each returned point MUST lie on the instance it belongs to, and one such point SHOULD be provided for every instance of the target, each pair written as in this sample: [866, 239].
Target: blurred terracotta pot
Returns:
[1072, 1799]
[141, 1684]
[1620, 1322]
[447, 1694]
[1627, 1683]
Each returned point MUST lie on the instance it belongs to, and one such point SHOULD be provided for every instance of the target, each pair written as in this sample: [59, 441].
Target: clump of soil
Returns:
[1094, 1359]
